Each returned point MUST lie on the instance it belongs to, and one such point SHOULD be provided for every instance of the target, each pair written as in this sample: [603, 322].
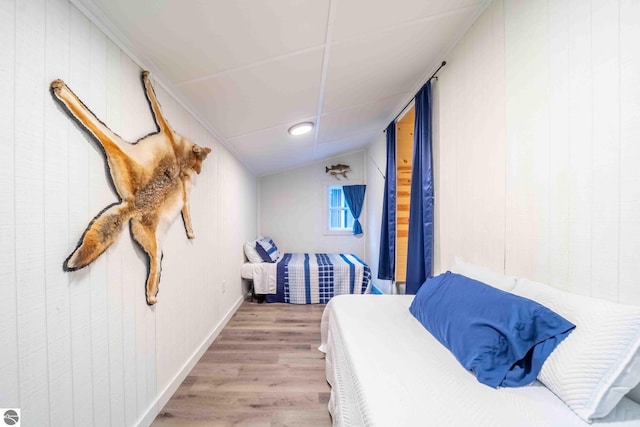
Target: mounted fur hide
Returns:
[153, 178]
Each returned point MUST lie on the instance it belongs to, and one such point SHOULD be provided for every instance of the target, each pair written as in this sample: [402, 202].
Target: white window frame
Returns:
[325, 214]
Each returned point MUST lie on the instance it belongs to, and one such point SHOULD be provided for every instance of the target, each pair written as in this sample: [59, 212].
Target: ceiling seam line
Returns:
[418, 21]
[323, 78]
[249, 66]
[313, 48]
[338, 110]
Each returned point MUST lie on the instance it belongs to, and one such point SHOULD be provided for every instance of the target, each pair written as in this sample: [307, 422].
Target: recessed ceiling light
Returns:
[301, 128]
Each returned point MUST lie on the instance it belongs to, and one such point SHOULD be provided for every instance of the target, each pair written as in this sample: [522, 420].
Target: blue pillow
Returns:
[502, 338]
[267, 249]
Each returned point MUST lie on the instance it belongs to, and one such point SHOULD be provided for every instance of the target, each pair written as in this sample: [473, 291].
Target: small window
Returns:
[339, 218]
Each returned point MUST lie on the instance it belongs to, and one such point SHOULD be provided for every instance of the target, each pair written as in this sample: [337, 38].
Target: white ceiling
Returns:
[249, 69]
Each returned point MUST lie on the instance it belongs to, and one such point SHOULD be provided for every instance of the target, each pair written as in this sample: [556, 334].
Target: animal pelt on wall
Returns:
[153, 179]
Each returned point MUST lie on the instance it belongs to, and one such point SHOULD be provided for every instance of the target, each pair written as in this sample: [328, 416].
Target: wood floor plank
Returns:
[264, 369]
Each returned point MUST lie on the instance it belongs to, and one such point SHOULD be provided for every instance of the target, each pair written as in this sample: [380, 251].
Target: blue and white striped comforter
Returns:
[304, 278]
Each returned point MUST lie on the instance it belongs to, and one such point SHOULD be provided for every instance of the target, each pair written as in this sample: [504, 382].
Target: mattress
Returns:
[263, 275]
[315, 278]
[302, 278]
[385, 369]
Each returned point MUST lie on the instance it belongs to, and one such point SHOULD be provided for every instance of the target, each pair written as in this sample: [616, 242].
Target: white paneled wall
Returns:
[469, 147]
[83, 348]
[573, 111]
[536, 141]
[9, 374]
[528, 151]
[629, 93]
[29, 98]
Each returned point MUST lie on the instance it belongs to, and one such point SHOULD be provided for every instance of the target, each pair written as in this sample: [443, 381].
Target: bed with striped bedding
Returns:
[308, 278]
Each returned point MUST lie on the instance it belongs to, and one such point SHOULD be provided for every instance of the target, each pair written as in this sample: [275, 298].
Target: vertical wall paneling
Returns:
[605, 192]
[177, 344]
[82, 153]
[142, 115]
[592, 103]
[171, 344]
[133, 258]
[199, 306]
[115, 276]
[56, 208]
[514, 37]
[443, 186]
[540, 147]
[99, 197]
[580, 146]
[474, 187]
[9, 372]
[527, 209]
[184, 296]
[629, 116]
[200, 219]
[559, 156]
[470, 147]
[30, 93]
[215, 307]
[230, 177]
[141, 310]
[215, 311]
[224, 219]
[83, 348]
[150, 358]
[495, 133]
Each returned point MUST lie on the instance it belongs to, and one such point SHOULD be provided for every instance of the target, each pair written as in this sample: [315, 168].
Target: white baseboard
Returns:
[154, 409]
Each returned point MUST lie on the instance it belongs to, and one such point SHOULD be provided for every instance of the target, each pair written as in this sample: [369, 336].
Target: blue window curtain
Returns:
[420, 251]
[387, 258]
[354, 195]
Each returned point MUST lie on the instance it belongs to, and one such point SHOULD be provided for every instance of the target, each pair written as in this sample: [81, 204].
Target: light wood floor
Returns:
[264, 369]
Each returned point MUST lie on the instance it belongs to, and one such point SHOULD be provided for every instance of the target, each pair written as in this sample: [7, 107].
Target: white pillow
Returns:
[484, 275]
[251, 253]
[598, 363]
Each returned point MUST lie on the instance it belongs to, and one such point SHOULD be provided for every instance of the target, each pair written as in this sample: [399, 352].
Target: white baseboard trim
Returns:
[156, 406]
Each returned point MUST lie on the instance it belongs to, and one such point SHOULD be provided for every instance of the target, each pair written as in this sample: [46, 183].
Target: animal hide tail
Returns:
[103, 230]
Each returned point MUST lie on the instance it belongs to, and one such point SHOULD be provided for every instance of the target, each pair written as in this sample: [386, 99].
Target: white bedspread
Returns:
[263, 274]
[385, 369]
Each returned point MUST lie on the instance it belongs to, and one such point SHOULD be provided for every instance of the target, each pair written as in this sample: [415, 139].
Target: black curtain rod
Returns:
[436, 71]
[433, 76]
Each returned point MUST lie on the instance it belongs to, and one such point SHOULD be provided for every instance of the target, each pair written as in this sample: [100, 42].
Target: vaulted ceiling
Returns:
[250, 69]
